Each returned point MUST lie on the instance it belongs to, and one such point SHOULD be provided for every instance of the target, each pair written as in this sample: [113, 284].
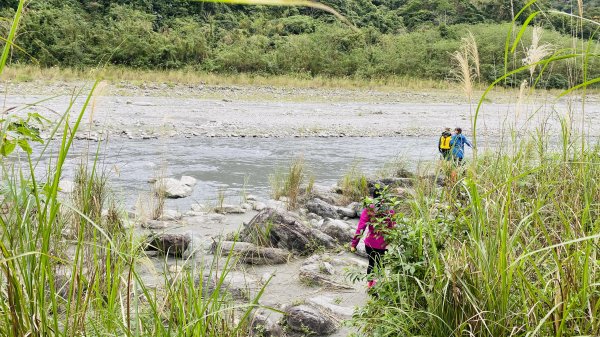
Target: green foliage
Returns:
[55, 284]
[507, 249]
[354, 184]
[412, 38]
[480, 262]
[289, 184]
[18, 131]
[383, 211]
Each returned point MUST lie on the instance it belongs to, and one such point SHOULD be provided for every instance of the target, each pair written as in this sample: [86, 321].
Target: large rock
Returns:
[207, 220]
[391, 182]
[173, 188]
[229, 209]
[170, 215]
[356, 207]
[347, 212]
[171, 244]
[326, 304]
[263, 326]
[306, 319]
[259, 206]
[189, 181]
[327, 194]
[155, 224]
[319, 270]
[241, 285]
[252, 254]
[198, 246]
[282, 229]
[321, 208]
[339, 230]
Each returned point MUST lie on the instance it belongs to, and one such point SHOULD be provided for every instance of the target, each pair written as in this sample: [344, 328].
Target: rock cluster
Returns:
[274, 236]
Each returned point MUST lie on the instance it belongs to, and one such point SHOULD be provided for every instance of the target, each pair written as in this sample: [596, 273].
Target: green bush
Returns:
[395, 38]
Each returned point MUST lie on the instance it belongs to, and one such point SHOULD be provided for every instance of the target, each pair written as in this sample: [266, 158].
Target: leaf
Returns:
[38, 118]
[522, 30]
[29, 132]
[7, 147]
[24, 145]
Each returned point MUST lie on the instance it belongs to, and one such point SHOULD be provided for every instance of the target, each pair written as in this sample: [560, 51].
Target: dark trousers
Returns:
[446, 154]
[374, 258]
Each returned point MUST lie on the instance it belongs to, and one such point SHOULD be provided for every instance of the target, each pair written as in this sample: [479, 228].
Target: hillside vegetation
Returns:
[412, 38]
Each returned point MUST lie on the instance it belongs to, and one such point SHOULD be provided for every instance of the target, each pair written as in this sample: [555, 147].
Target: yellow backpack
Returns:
[445, 142]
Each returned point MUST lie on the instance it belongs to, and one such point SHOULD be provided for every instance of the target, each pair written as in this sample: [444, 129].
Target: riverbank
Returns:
[154, 110]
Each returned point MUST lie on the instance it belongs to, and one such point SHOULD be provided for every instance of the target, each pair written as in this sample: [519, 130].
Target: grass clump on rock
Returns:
[291, 184]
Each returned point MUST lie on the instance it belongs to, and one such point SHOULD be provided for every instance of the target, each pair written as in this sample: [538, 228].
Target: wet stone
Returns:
[169, 244]
[304, 318]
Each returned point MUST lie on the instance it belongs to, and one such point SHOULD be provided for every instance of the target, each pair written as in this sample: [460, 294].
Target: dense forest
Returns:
[411, 38]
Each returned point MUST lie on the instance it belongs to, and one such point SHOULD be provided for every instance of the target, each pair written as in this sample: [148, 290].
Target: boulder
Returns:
[282, 229]
[170, 215]
[391, 182]
[275, 204]
[404, 192]
[171, 244]
[316, 223]
[347, 212]
[173, 188]
[263, 326]
[327, 194]
[321, 208]
[155, 224]
[229, 209]
[205, 220]
[241, 285]
[319, 271]
[306, 319]
[326, 304]
[198, 246]
[339, 230]
[188, 181]
[356, 207]
[403, 173]
[252, 254]
[259, 206]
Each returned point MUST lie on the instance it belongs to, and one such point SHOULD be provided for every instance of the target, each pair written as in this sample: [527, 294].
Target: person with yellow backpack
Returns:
[444, 144]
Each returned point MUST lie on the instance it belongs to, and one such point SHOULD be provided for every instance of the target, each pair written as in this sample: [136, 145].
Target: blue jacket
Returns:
[458, 145]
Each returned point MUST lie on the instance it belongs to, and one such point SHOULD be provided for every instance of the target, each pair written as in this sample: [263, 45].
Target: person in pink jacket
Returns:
[374, 215]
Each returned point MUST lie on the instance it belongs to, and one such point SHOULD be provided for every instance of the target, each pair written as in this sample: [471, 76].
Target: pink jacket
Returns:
[373, 239]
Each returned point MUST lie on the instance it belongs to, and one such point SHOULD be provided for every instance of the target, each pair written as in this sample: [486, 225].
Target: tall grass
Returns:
[354, 184]
[290, 183]
[87, 283]
[122, 76]
[511, 249]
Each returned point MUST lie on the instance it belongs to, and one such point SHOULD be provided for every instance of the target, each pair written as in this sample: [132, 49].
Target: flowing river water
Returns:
[238, 166]
[232, 139]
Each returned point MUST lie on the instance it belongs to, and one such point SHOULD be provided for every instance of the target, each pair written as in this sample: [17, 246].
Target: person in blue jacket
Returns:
[457, 143]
